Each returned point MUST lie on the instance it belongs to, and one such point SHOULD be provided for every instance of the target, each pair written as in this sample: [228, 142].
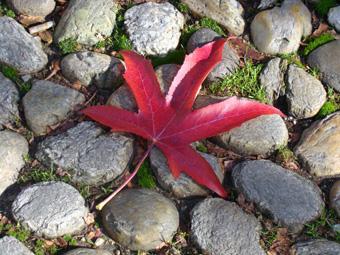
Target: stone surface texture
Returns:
[13, 148]
[92, 68]
[319, 149]
[154, 29]
[50, 209]
[334, 17]
[184, 186]
[334, 197]
[9, 97]
[85, 251]
[316, 247]
[272, 78]
[47, 104]
[265, 4]
[89, 154]
[11, 246]
[230, 59]
[279, 30]
[288, 198]
[87, 21]
[260, 136]
[220, 227]
[326, 59]
[123, 222]
[32, 7]
[228, 13]
[19, 49]
[305, 94]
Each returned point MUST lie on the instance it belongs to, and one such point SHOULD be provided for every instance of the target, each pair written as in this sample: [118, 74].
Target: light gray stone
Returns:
[316, 247]
[334, 17]
[47, 104]
[334, 197]
[123, 222]
[85, 251]
[260, 136]
[230, 59]
[326, 59]
[279, 30]
[123, 98]
[220, 227]
[265, 4]
[89, 154]
[93, 68]
[183, 186]
[87, 21]
[19, 49]
[305, 94]
[154, 29]
[290, 199]
[50, 209]
[39, 8]
[319, 149]
[13, 148]
[272, 78]
[9, 97]
[11, 246]
[228, 13]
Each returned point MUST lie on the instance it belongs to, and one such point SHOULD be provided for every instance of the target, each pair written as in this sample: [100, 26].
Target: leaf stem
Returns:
[101, 205]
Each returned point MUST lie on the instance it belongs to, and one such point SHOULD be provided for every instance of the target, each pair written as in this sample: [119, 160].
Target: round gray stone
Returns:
[84, 251]
[319, 149]
[47, 104]
[334, 17]
[87, 21]
[334, 197]
[326, 59]
[272, 78]
[280, 29]
[89, 154]
[220, 227]
[50, 209]
[13, 148]
[305, 94]
[123, 98]
[140, 219]
[11, 246]
[9, 97]
[183, 186]
[154, 29]
[260, 136]
[291, 200]
[32, 7]
[230, 59]
[316, 247]
[92, 68]
[19, 49]
[228, 13]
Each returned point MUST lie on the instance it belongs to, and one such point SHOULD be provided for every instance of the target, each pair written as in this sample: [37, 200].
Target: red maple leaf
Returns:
[169, 122]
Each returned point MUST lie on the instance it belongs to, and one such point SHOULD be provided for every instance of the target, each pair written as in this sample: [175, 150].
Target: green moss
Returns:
[284, 154]
[13, 75]
[145, 177]
[244, 83]
[69, 45]
[332, 104]
[202, 23]
[313, 43]
[292, 58]
[16, 231]
[173, 57]
[322, 7]
[6, 11]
